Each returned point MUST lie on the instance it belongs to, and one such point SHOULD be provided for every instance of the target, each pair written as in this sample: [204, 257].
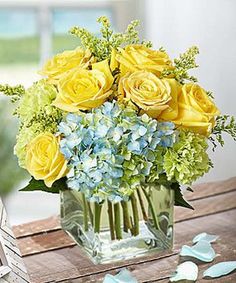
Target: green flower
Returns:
[25, 135]
[187, 160]
[36, 99]
[36, 115]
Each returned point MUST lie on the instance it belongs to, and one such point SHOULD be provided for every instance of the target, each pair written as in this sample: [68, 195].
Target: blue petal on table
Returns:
[124, 276]
[202, 250]
[220, 269]
[185, 271]
[206, 237]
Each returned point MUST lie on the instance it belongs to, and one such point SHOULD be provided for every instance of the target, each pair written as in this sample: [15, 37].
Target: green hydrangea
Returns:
[26, 134]
[35, 100]
[157, 169]
[187, 160]
[36, 115]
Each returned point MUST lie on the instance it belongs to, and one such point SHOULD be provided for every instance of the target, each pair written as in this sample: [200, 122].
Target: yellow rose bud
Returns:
[138, 57]
[63, 62]
[82, 89]
[44, 161]
[113, 62]
[148, 92]
[196, 111]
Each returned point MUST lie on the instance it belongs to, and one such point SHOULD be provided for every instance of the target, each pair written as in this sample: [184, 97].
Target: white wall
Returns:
[211, 25]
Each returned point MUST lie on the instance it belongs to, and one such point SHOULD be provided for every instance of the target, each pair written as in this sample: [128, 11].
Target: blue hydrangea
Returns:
[111, 150]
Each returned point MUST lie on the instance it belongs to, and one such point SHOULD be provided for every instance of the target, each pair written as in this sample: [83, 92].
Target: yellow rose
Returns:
[82, 89]
[148, 92]
[138, 57]
[44, 161]
[196, 111]
[63, 62]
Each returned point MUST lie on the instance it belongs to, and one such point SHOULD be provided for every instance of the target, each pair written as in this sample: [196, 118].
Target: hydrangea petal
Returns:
[202, 250]
[142, 130]
[185, 271]
[134, 146]
[112, 147]
[206, 237]
[124, 276]
[220, 269]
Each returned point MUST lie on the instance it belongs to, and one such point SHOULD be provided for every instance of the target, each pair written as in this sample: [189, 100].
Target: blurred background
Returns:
[33, 30]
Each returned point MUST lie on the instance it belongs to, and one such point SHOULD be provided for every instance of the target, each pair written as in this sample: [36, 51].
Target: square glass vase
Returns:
[110, 232]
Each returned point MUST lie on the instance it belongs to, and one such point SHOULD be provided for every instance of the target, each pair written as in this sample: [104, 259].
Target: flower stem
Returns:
[111, 220]
[117, 221]
[135, 215]
[152, 209]
[97, 216]
[145, 216]
[85, 215]
[126, 216]
[90, 212]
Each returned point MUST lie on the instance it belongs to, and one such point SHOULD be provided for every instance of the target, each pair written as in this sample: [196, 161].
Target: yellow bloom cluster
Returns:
[83, 84]
[165, 99]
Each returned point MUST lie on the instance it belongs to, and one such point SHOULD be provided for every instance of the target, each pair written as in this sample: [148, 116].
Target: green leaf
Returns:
[179, 199]
[190, 189]
[39, 185]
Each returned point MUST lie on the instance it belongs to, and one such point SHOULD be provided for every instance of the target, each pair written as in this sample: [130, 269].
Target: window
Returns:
[64, 19]
[19, 39]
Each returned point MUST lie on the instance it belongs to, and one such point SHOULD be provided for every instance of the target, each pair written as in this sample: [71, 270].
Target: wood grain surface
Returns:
[51, 256]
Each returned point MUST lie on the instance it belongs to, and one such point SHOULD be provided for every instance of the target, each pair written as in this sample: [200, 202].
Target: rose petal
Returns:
[185, 271]
[201, 250]
[220, 269]
[206, 237]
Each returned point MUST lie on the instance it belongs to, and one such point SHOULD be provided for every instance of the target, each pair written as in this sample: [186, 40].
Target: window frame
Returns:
[120, 9]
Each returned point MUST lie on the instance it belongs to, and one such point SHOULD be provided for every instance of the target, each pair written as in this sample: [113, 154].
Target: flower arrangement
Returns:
[112, 116]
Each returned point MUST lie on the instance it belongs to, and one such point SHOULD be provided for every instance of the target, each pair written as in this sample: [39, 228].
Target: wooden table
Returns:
[51, 256]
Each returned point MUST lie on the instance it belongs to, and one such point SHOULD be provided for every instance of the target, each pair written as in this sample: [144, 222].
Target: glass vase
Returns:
[110, 232]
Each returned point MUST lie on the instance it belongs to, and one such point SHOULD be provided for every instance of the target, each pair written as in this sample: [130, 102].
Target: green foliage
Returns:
[179, 199]
[224, 124]
[183, 64]
[39, 185]
[101, 47]
[210, 94]
[15, 92]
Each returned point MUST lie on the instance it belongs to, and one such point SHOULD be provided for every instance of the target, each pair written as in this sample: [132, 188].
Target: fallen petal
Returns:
[185, 271]
[202, 250]
[206, 237]
[124, 276]
[220, 269]
[109, 279]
